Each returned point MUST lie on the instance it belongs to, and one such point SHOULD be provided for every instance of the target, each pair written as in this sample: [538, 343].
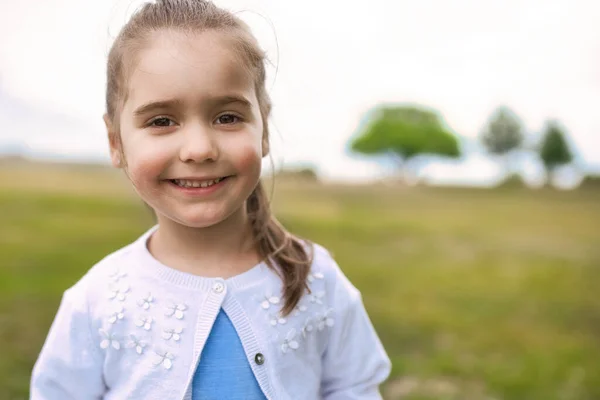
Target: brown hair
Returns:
[283, 252]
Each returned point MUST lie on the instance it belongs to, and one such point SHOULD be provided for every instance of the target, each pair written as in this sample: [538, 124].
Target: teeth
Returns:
[195, 184]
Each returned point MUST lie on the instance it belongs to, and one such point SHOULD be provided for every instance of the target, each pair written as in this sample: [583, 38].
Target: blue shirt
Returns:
[223, 371]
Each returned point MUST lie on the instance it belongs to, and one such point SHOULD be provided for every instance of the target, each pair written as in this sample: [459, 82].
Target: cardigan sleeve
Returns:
[69, 366]
[355, 363]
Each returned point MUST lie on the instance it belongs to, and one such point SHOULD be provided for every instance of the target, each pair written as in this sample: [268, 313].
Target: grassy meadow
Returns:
[476, 294]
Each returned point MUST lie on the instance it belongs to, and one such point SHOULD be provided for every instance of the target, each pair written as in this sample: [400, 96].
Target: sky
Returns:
[332, 62]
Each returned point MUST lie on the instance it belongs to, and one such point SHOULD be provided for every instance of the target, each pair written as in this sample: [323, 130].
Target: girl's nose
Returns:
[199, 145]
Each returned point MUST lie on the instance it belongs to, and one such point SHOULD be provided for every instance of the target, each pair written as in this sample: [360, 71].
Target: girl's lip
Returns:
[196, 178]
[199, 190]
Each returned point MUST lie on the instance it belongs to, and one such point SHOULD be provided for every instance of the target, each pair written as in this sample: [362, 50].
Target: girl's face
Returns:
[191, 118]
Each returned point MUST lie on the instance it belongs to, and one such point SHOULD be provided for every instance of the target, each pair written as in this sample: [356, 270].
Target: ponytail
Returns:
[283, 252]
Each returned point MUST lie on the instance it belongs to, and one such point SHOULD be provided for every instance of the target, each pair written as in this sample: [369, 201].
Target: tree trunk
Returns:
[400, 165]
[508, 166]
[550, 172]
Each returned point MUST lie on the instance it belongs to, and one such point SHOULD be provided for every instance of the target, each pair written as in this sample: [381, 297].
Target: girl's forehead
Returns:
[173, 63]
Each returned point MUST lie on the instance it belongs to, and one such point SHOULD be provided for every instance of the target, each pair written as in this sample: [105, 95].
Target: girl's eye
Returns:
[227, 119]
[161, 122]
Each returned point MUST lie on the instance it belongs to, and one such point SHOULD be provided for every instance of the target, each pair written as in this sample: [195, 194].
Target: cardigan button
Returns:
[219, 287]
[259, 359]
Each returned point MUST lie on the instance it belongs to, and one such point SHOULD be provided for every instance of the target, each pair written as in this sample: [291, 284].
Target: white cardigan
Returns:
[133, 328]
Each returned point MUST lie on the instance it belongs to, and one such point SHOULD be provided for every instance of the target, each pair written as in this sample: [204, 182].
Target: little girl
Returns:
[218, 300]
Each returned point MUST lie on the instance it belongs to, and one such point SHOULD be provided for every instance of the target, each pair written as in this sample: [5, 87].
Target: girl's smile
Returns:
[198, 186]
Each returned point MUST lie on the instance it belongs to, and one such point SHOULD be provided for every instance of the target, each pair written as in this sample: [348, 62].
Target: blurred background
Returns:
[448, 153]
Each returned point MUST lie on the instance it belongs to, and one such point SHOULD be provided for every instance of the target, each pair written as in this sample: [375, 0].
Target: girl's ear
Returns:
[113, 142]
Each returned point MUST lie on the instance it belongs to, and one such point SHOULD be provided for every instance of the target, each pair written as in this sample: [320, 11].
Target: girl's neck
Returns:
[222, 250]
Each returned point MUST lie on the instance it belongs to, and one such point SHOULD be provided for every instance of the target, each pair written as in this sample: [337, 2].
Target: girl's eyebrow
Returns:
[228, 99]
[213, 101]
[156, 105]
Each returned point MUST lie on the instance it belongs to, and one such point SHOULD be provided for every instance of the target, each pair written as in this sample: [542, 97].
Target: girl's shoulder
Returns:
[328, 280]
[326, 266]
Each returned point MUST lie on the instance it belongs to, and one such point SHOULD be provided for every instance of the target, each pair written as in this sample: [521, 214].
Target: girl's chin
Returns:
[197, 219]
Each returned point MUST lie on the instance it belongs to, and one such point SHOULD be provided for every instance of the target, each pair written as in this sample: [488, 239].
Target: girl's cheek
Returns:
[147, 160]
[246, 155]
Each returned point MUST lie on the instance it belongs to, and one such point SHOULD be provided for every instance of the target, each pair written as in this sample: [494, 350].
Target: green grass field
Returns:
[476, 294]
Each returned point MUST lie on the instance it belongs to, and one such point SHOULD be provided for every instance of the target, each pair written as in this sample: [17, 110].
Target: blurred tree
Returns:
[503, 134]
[405, 132]
[305, 173]
[554, 150]
[591, 182]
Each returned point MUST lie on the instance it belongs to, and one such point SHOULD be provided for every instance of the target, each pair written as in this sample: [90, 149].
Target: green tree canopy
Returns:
[406, 132]
[503, 132]
[554, 150]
